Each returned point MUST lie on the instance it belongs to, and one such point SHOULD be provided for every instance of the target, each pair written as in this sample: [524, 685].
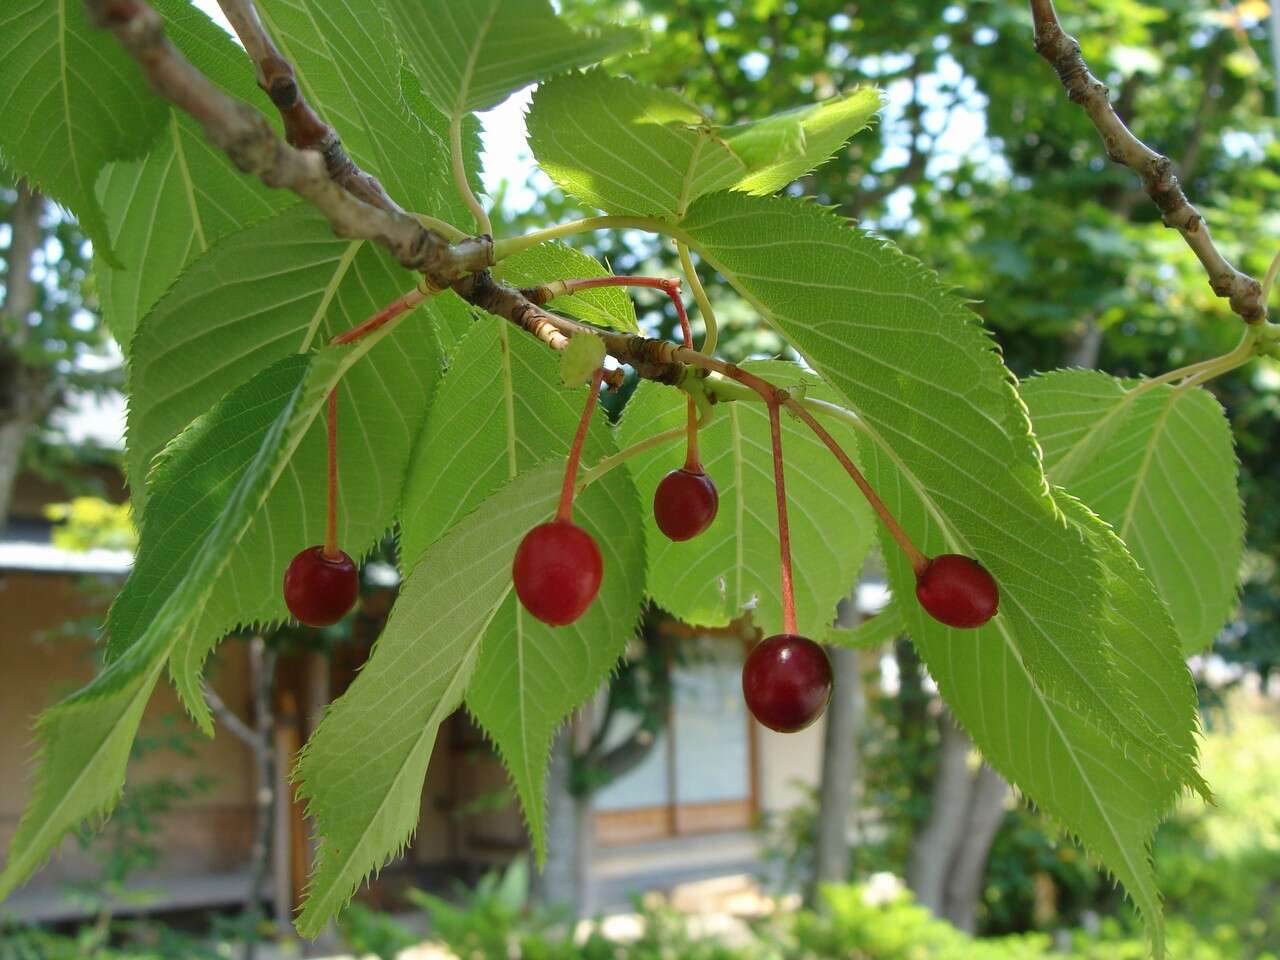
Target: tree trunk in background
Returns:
[581, 746]
[559, 882]
[1082, 350]
[839, 761]
[935, 848]
[986, 811]
[913, 704]
[24, 398]
[839, 768]
[949, 857]
[13, 439]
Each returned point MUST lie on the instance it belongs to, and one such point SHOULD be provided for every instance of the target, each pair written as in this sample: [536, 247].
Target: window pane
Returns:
[646, 785]
[713, 761]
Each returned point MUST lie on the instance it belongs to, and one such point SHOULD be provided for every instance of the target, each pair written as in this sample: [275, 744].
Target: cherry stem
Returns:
[331, 514]
[767, 391]
[784, 528]
[565, 511]
[671, 287]
[692, 461]
[401, 304]
[773, 396]
[918, 560]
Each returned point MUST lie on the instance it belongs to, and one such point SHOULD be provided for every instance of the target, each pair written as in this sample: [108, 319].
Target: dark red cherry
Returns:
[787, 682]
[957, 591]
[557, 572]
[319, 590]
[685, 503]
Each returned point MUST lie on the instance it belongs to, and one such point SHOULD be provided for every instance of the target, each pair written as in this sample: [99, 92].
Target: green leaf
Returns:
[581, 359]
[604, 306]
[85, 745]
[952, 448]
[168, 207]
[294, 284]
[165, 210]
[457, 211]
[1074, 767]
[362, 771]
[471, 56]
[73, 100]
[926, 384]
[734, 566]
[279, 287]
[500, 410]
[1159, 466]
[349, 69]
[211, 482]
[627, 148]
[872, 633]
[787, 145]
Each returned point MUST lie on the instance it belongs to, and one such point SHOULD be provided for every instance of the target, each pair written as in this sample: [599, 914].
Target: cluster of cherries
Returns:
[786, 680]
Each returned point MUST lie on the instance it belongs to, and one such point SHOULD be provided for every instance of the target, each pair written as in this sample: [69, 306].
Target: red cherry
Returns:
[557, 572]
[685, 503]
[787, 682]
[957, 591]
[319, 590]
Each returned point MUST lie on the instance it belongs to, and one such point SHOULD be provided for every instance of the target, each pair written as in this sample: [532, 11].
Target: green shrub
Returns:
[856, 926]
[366, 931]
[495, 920]
[859, 926]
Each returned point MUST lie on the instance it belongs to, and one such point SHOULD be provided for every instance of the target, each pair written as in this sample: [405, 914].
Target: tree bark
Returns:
[1084, 345]
[935, 848]
[580, 747]
[986, 812]
[949, 858]
[913, 704]
[24, 395]
[13, 439]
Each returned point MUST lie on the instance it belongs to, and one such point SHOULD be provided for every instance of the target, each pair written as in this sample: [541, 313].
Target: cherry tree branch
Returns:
[253, 146]
[249, 141]
[303, 127]
[1062, 52]
[241, 730]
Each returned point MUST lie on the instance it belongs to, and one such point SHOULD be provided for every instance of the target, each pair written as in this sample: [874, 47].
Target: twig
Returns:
[303, 127]
[227, 717]
[246, 137]
[1062, 52]
[650, 358]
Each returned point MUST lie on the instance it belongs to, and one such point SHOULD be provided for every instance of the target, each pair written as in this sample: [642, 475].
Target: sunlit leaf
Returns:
[1159, 466]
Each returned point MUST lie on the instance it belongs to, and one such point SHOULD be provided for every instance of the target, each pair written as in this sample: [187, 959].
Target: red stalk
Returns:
[784, 528]
[565, 511]
[331, 550]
